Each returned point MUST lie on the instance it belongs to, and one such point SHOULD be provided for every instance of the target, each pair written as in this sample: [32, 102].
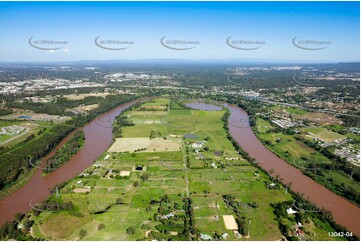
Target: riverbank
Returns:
[205, 180]
[98, 137]
[343, 211]
[18, 161]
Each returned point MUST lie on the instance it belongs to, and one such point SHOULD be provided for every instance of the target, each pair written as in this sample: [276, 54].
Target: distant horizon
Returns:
[201, 60]
[272, 31]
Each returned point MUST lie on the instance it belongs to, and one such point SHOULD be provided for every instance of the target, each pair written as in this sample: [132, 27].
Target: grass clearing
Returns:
[323, 134]
[138, 201]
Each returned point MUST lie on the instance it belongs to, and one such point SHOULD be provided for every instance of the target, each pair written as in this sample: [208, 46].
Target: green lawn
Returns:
[166, 174]
[323, 134]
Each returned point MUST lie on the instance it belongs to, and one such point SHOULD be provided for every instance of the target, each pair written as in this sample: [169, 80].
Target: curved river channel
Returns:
[98, 137]
[343, 211]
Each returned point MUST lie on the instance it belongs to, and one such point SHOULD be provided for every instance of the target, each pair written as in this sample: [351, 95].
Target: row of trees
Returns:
[17, 161]
[121, 121]
[70, 148]
[237, 208]
[338, 164]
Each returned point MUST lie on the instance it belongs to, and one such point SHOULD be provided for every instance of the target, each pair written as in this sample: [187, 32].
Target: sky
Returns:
[275, 31]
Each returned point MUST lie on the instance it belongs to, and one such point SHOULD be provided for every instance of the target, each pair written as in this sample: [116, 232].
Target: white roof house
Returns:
[290, 211]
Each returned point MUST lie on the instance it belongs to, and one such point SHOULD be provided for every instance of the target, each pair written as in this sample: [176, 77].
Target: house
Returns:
[300, 232]
[225, 236]
[167, 216]
[197, 145]
[290, 211]
[272, 185]
[206, 237]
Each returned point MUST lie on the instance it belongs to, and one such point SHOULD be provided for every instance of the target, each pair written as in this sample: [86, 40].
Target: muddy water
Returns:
[203, 106]
[98, 137]
[344, 212]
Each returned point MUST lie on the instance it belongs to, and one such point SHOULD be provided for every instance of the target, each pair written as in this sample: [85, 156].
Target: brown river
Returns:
[343, 211]
[98, 137]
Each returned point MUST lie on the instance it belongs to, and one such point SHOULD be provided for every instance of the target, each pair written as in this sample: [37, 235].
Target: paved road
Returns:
[9, 140]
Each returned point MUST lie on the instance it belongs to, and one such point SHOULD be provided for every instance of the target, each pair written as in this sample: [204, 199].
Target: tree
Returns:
[101, 226]
[145, 177]
[130, 230]
[19, 217]
[83, 233]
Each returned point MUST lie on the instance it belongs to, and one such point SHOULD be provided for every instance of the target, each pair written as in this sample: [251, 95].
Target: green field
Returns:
[324, 134]
[305, 158]
[108, 206]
